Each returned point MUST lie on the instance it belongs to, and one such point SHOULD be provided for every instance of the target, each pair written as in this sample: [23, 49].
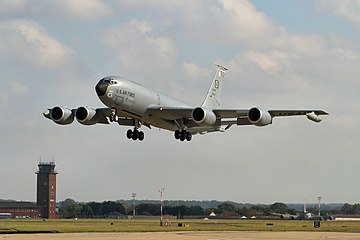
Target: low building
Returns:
[20, 209]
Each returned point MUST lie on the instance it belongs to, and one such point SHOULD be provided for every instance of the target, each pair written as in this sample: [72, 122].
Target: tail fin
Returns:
[213, 97]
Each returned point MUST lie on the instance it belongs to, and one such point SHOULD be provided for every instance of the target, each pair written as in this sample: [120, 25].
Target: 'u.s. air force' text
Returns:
[125, 93]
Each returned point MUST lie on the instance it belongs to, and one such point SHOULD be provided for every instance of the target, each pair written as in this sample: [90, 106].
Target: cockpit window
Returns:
[107, 79]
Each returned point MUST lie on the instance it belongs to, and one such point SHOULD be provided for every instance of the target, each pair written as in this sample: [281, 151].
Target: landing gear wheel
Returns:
[141, 135]
[182, 135]
[135, 134]
[188, 136]
[177, 134]
[129, 134]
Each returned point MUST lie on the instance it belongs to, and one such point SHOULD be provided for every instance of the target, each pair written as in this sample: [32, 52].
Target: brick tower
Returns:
[46, 189]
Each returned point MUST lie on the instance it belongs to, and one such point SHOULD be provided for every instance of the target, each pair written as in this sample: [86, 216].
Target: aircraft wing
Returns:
[240, 113]
[231, 113]
[169, 113]
[174, 113]
[238, 116]
[285, 113]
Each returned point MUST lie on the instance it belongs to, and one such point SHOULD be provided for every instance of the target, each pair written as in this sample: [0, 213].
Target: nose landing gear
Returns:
[183, 135]
[135, 134]
[113, 116]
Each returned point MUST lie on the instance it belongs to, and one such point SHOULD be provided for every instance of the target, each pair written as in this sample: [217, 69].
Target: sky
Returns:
[280, 55]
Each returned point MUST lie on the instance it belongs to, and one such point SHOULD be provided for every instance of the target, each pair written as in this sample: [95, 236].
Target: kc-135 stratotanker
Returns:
[131, 104]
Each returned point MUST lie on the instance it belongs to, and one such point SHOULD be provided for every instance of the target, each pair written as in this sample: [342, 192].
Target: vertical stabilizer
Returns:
[213, 97]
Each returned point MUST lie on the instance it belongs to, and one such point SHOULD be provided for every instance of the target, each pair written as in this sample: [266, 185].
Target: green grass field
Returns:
[110, 225]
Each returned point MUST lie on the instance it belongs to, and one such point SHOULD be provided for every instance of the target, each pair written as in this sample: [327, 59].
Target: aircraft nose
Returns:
[101, 88]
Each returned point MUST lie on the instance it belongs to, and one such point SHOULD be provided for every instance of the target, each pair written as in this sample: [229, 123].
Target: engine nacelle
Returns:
[258, 117]
[313, 117]
[203, 116]
[86, 116]
[61, 115]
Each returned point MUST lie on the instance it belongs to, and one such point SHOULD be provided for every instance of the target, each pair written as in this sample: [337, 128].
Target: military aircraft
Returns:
[131, 104]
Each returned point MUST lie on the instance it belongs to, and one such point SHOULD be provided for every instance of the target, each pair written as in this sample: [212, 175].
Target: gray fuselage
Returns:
[131, 99]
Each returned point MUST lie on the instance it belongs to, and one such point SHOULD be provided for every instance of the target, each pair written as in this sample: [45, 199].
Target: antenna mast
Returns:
[133, 202]
[161, 206]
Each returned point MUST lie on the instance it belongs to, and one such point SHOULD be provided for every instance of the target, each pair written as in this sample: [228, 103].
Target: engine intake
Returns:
[61, 115]
[203, 116]
[258, 117]
[86, 116]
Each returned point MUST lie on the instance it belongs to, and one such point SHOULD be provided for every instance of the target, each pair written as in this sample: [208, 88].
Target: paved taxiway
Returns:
[186, 236]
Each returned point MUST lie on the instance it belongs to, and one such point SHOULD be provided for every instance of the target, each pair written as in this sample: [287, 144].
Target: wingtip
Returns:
[325, 113]
[321, 112]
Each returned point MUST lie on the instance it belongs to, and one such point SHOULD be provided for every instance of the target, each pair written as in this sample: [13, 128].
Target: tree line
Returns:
[71, 209]
[351, 209]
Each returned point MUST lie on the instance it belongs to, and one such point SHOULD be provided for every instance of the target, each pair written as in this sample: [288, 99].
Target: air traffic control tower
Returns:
[46, 189]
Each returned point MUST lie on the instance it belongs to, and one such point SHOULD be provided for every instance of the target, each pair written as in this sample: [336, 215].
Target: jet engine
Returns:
[86, 116]
[61, 115]
[258, 117]
[313, 117]
[203, 116]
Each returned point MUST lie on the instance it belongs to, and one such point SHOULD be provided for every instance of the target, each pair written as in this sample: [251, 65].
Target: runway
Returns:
[185, 236]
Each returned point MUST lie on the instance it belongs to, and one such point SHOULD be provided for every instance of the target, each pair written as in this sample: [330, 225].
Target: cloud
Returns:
[192, 71]
[241, 23]
[158, 4]
[242, 20]
[347, 54]
[307, 45]
[78, 9]
[26, 42]
[12, 5]
[12, 89]
[171, 44]
[139, 48]
[272, 61]
[85, 9]
[229, 20]
[348, 9]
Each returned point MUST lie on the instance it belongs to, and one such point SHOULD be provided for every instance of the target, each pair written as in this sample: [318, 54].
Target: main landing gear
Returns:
[135, 134]
[131, 134]
[182, 135]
